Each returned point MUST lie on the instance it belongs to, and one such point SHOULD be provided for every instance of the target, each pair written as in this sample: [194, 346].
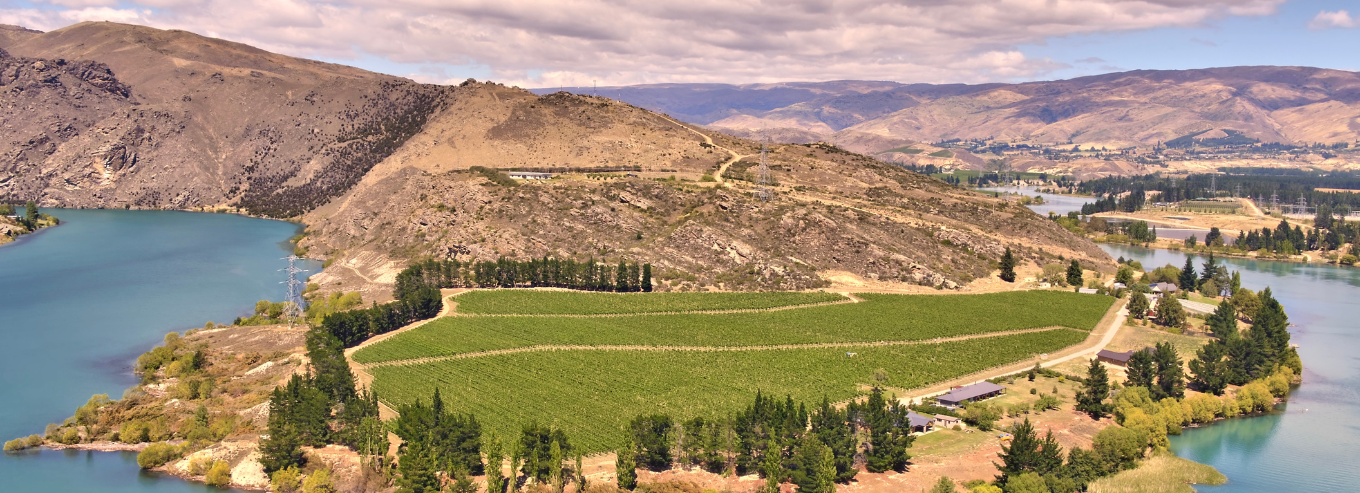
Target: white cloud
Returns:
[545, 43]
[1340, 18]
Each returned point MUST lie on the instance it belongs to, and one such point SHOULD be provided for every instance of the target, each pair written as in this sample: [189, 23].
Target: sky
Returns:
[546, 43]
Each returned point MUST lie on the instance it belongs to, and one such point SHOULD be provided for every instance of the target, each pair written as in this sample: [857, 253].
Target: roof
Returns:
[1086, 291]
[918, 420]
[1165, 286]
[1197, 307]
[945, 417]
[971, 391]
[1117, 356]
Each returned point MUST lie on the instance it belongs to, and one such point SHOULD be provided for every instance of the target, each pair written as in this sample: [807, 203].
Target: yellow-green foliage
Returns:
[199, 465]
[1153, 426]
[23, 443]
[1163, 473]
[219, 474]
[1255, 397]
[157, 454]
[326, 305]
[285, 480]
[134, 432]
[1279, 382]
[319, 482]
[1201, 408]
[985, 488]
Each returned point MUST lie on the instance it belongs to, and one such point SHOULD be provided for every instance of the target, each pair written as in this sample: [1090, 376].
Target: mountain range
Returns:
[1295, 105]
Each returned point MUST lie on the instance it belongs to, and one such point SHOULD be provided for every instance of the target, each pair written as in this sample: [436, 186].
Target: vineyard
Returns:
[879, 318]
[592, 393]
[518, 302]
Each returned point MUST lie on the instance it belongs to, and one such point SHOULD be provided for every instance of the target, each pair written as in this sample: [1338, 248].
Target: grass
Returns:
[904, 150]
[941, 153]
[880, 318]
[1163, 473]
[1132, 337]
[521, 302]
[592, 393]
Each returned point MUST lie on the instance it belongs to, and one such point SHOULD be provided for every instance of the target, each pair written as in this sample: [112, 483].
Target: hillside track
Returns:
[772, 347]
[709, 140]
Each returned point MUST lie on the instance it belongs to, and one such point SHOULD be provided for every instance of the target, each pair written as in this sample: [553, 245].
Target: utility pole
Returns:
[763, 174]
[293, 302]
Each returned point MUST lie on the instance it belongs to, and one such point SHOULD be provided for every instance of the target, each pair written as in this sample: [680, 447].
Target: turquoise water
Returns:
[80, 301]
[1313, 442]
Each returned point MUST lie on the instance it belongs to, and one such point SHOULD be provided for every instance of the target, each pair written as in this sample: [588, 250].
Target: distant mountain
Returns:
[382, 170]
[1137, 108]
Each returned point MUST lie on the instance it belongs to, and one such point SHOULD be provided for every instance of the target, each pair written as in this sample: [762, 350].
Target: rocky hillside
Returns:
[383, 170]
[1271, 104]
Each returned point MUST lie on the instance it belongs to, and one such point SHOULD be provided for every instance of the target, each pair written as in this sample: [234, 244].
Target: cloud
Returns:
[1204, 42]
[546, 43]
[1094, 59]
[1340, 18]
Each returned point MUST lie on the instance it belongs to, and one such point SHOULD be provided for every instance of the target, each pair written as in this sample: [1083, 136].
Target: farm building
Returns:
[529, 175]
[1117, 358]
[970, 393]
[1163, 287]
[947, 421]
[1087, 291]
[919, 423]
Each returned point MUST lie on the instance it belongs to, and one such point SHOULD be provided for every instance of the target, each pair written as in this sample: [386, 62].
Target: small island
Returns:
[13, 225]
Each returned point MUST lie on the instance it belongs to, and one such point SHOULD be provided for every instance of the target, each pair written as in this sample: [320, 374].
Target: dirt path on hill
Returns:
[1251, 206]
[716, 349]
[709, 140]
[363, 378]
[1105, 331]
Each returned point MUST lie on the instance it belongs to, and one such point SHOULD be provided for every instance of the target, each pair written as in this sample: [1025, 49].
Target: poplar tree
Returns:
[621, 278]
[646, 278]
[1008, 266]
[555, 467]
[625, 466]
[495, 458]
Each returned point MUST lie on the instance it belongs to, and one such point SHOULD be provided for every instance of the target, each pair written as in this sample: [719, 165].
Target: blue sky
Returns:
[550, 43]
[1280, 39]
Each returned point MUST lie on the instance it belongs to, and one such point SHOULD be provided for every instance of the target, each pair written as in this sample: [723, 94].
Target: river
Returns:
[1312, 442]
[81, 300]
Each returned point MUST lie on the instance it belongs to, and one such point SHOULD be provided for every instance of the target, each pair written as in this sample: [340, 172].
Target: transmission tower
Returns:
[293, 303]
[763, 174]
[1275, 200]
[1213, 185]
[1302, 206]
[1238, 193]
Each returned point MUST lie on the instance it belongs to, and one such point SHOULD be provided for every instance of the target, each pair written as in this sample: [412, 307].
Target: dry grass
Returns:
[1163, 473]
[1133, 337]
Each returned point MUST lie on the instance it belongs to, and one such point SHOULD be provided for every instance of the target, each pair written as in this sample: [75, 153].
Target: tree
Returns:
[1074, 273]
[889, 434]
[1222, 323]
[219, 474]
[646, 278]
[1140, 370]
[1119, 447]
[1026, 452]
[31, 215]
[495, 458]
[650, 434]
[815, 467]
[417, 470]
[1008, 266]
[1124, 275]
[319, 481]
[621, 278]
[1096, 388]
[1170, 375]
[580, 473]
[625, 467]
[1027, 483]
[1246, 303]
[1209, 369]
[555, 467]
[770, 466]
[1188, 279]
[1169, 312]
[1138, 305]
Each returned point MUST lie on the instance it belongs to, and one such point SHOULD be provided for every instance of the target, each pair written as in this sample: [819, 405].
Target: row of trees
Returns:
[1234, 358]
[508, 273]
[351, 327]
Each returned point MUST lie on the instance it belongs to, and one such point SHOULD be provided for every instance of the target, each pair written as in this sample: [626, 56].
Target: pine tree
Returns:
[1188, 277]
[417, 470]
[1209, 369]
[1074, 273]
[1223, 322]
[1008, 266]
[1141, 370]
[1170, 375]
[826, 472]
[771, 466]
[31, 215]
[1095, 390]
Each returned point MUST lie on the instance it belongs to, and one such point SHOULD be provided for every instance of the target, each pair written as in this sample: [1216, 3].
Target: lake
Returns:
[82, 300]
[1057, 204]
[1312, 443]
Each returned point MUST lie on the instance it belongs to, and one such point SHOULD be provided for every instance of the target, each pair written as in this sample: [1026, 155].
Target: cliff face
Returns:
[381, 169]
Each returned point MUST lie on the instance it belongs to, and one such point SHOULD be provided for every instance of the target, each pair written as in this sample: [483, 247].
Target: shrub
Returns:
[69, 437]
[1349, 259]
[134, 432]
[157, 454]
[219, 475]
[285, 480]
[319, 482]
[21, 443]
[1255, 397]
[1120, 447]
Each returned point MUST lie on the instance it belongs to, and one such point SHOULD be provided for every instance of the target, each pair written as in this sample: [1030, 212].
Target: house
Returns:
[529, 175]
[970, 393]
[919, 423]
[1164, 287]
[1119, 285]
[945, 421]
[1117, 358]
[1087, 291]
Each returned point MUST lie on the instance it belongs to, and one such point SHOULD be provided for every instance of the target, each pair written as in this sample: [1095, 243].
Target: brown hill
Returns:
[383, 169]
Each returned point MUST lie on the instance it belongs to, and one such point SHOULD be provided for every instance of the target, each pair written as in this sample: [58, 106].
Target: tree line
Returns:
[508, 273]
[1287, 188]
